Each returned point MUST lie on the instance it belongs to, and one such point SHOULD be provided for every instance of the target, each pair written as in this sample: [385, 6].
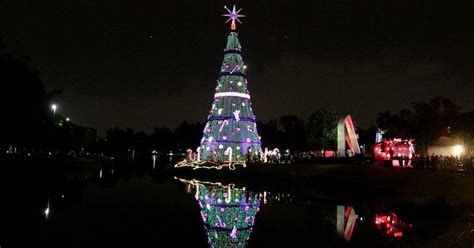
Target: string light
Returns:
[210, 164]
[232, 94]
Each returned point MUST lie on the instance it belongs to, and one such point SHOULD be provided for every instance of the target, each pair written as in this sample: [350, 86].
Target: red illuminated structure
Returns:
[346, 135]
[394, 152]
[345, 221]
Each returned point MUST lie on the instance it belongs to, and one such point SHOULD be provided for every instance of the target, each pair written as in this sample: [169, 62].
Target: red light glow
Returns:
[399, 151]
[390, 224]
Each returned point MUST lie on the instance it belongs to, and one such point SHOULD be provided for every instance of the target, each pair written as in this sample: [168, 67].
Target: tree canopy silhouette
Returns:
[24, 100]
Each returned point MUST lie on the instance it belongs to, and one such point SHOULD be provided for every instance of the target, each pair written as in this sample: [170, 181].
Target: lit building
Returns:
[395, 152]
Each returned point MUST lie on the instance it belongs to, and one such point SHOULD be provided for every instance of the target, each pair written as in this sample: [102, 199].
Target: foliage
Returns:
[321, 129]
[463, 129]
[188, 135]
[426, 122]
[295, 134]
[272, 135]
[25, 103]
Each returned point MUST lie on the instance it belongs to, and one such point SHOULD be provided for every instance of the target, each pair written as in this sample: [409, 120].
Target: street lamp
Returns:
[54, 107]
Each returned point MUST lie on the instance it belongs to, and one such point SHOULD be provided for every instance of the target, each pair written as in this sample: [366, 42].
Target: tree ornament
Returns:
[233, 16]
[237, 115]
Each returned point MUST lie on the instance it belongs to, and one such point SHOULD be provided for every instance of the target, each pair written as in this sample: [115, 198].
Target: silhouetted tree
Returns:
[272, 135]
[367, 137]
[162, 140]
[402, 125]
[294, 132]
[24, 102]
[321, 129]
[188, 135]
[463, 129]
[432, 118]
[425, 123]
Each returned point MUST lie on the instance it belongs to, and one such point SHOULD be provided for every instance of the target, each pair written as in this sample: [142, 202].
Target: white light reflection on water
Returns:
[47, 210]
[154, 161]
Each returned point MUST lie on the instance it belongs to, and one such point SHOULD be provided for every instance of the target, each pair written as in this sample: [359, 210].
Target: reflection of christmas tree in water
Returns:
[228, 213]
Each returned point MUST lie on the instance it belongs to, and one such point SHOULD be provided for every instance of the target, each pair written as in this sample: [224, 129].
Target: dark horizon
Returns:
[155, 64]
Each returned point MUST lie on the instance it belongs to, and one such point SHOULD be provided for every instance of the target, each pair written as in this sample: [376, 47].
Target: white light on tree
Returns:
[232, 94]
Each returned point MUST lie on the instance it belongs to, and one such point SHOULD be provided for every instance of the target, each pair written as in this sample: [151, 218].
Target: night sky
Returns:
[149, 63]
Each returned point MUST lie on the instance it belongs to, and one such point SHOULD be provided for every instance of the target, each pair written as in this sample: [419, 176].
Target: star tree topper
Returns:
[233, 16]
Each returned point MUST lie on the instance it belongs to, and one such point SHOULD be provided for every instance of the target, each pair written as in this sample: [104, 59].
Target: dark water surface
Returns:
[145, 207]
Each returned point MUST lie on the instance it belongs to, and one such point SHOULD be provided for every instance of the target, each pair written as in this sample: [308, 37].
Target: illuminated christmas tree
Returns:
[231, 130]
[228, 213]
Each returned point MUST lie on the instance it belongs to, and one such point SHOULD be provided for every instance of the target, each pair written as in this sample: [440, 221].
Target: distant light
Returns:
[54, 107]
[67, 119]
[62, 196]
[46, 212]
[245, 67]
[458, 150]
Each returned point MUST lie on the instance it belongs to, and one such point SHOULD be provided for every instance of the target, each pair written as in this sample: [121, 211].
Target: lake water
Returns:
[148, 208]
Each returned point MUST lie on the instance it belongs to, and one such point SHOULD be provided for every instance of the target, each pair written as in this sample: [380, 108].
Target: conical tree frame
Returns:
[230, 134]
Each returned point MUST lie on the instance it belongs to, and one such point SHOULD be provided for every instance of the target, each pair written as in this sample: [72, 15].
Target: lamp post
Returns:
[54, 107]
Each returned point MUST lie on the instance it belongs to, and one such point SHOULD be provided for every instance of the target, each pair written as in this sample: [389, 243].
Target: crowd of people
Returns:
[444, 163]
[286, 157]
[271, 156]
[434, 162]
